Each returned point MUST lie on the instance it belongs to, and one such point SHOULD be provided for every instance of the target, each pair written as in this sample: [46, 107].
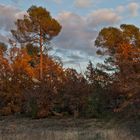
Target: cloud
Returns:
[103, 17]
[120, 9]
[133, 8]
[76, 40]
[79, 32]
[83, 3]
[3, 38]
[75, 35]
[8, 15]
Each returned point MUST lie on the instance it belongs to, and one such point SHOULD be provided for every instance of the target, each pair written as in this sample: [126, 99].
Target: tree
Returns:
[3, 48]
[122, 45]
[4, 67]
[15, 68]
[74, 92]
[98, 81]
[90, 72]
[96, 76]
[36, 28]
[115, 41]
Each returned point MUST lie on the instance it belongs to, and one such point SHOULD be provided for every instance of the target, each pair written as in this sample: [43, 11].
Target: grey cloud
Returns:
[75, 56]
[3, 38]
[78, 32]
[8, 16]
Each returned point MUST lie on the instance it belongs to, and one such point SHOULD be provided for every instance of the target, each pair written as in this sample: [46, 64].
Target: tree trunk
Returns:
[41, 57]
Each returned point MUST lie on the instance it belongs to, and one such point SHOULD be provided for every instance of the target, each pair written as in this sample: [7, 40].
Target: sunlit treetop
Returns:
[38, 22]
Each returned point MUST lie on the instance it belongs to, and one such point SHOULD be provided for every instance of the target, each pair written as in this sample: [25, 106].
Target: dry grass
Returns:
[61, 129]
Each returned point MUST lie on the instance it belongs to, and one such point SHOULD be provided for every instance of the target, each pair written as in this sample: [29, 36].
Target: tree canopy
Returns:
[37, 28]
[122, 45]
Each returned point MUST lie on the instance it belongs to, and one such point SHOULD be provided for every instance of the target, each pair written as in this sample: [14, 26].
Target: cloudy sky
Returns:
[81, 21]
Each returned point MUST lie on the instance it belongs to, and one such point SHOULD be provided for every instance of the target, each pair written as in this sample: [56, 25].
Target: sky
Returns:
[81, 22]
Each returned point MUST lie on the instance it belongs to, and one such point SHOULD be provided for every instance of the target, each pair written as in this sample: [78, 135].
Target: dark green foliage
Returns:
[99, 81]
[31, 107]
